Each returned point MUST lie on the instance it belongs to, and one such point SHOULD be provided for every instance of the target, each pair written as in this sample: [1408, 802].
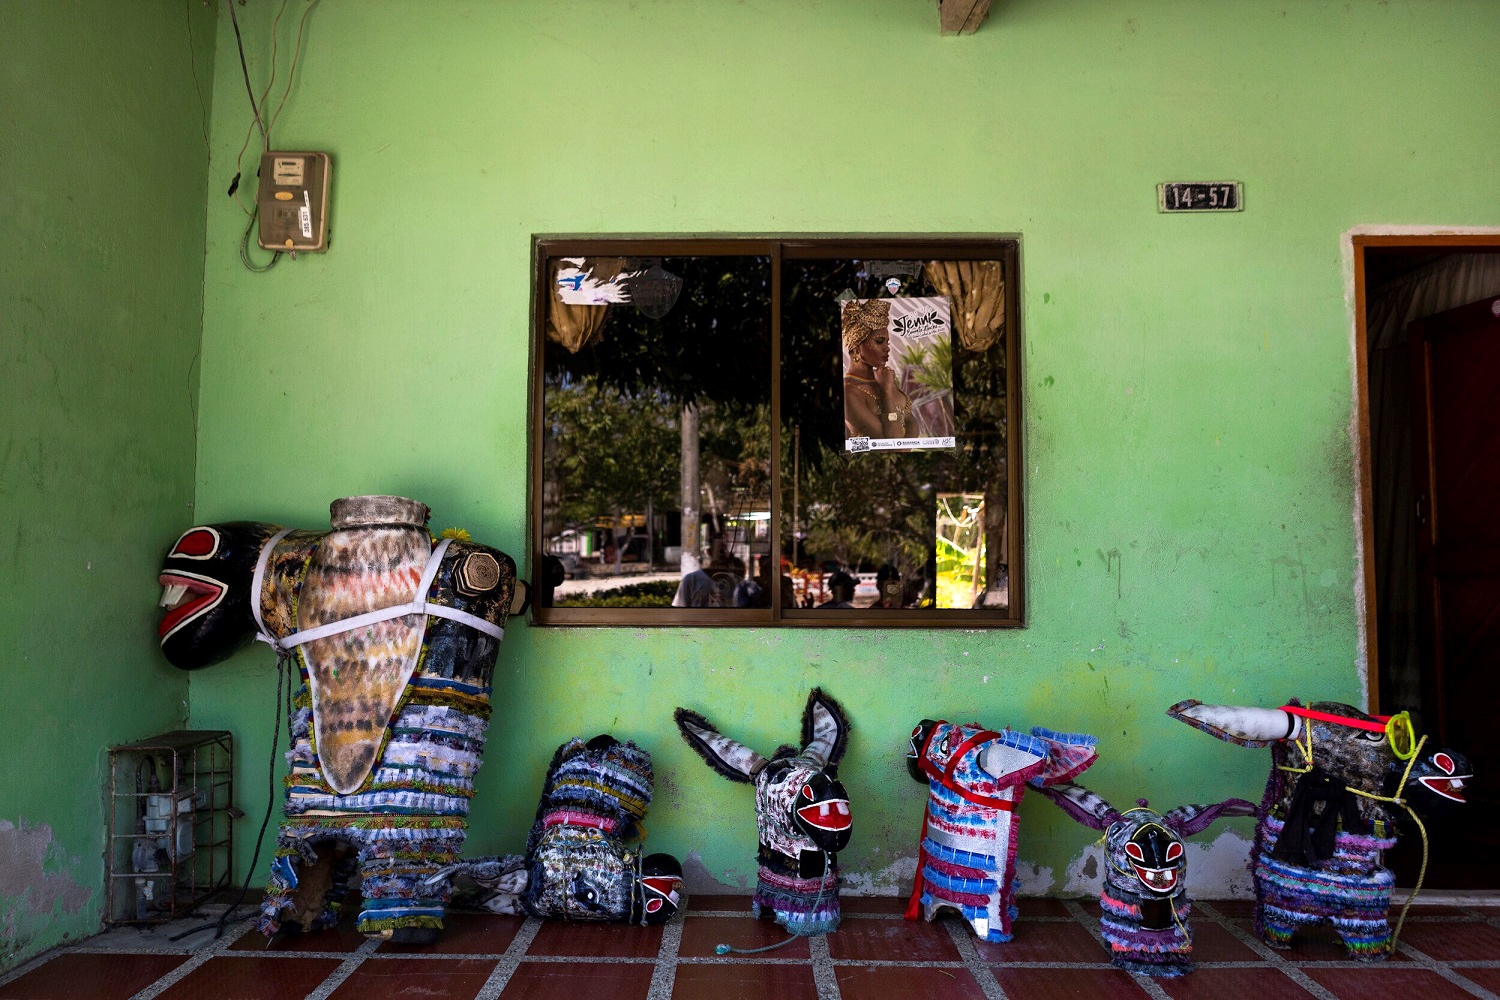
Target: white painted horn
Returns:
[1244, 722]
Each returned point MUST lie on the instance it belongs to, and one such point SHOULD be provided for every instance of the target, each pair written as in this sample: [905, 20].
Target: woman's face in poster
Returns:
[876, 350]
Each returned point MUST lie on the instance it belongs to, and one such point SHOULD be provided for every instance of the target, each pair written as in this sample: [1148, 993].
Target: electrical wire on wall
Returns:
[258, 117]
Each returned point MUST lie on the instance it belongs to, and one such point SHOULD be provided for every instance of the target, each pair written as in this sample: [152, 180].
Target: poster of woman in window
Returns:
[898, 374]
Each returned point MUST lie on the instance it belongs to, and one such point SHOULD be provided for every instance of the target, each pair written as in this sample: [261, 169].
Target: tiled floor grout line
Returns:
[1297, 975]
[1491, 916]
[200, 959]
[510, 960]
[1091, 924]
[1426, 961]
[345, 970]
[963, 940]
[665, 975]
[824, 978]
[31, 965]
[824, 967]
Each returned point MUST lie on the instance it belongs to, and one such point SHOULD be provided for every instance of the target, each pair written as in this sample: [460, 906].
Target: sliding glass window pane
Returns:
[894, 434]
[656, 439]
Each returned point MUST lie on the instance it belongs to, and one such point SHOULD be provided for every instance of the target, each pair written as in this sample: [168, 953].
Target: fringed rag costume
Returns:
[394, 635]
[583, 859]
[1144, 895]
[976, 778]
[801, 812]
[1340, 780]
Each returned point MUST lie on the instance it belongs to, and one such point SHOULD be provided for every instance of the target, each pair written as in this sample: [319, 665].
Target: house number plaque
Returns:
[1200, 196]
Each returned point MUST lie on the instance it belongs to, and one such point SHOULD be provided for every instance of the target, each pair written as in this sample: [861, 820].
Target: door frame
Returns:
[1354, 243]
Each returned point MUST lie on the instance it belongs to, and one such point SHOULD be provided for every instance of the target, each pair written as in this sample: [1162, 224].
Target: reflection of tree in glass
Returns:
[868, 509]
[609, 453]
[614, 448]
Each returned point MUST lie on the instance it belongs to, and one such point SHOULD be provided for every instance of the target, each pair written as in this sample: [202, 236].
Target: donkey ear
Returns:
[1188, 820]
[1081, 805]
[733, 760]
[1249, 727]
[825, 729]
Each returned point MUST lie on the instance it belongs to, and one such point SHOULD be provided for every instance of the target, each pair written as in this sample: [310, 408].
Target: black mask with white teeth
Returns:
[205, 580]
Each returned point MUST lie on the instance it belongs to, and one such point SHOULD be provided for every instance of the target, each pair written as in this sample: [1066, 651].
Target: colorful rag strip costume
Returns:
[1144, 894]
[1339, 781]
[801, 812]
[976, 778]
[394, 635]
[583, 859]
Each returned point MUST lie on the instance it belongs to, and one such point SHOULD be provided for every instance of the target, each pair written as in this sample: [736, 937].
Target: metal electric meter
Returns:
[293, 201]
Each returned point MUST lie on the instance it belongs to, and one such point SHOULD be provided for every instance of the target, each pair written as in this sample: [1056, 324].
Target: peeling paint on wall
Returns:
[697, 877]
[1033, 879]
[893, 880]
[31, 895]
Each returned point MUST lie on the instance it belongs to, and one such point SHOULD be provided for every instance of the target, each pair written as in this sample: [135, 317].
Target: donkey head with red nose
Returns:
[1341, 783]
[801, 812]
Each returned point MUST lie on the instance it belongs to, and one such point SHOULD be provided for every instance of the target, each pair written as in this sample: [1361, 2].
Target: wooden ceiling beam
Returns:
[962, 17]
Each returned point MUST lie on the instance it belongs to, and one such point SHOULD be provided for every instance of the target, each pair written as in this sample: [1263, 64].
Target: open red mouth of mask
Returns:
[186, 596]
[830, 814]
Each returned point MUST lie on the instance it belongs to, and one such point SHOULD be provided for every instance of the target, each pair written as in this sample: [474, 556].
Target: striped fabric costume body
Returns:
[1340, 779]
[388, 725]
[583, 859]
[1144, 893]
[976, 778]
[1350, 890]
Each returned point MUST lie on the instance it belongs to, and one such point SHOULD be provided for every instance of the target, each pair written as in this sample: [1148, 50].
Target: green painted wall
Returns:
[104, 163]
[1189, 484]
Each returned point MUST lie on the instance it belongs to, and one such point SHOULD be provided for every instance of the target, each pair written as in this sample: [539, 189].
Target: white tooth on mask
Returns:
[843, 807]
[171, 595]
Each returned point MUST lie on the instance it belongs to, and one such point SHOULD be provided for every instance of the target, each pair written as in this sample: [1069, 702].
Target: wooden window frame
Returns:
[1005, 248]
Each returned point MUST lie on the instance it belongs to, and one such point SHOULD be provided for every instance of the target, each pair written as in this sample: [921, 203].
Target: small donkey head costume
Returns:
[1144, 895]
[1340, 780]
[801, 812]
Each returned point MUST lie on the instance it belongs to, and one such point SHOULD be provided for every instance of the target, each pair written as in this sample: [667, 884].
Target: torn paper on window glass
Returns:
[594, 281]
[898, 374]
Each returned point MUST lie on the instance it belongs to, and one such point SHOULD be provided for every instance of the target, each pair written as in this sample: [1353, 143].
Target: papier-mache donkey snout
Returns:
[802, 812]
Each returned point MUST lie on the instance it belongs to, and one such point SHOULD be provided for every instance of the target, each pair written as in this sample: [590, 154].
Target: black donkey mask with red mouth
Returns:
[801, 811]
[205, 580]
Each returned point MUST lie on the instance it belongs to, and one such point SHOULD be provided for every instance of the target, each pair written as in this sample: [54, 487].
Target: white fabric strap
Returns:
[256, 583]
[419, 606]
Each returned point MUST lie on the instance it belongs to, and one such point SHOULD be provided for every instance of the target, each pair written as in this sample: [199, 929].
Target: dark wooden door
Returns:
[1456, 460]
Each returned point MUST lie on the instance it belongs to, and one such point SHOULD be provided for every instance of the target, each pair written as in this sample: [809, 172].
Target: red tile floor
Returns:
[1445, 952]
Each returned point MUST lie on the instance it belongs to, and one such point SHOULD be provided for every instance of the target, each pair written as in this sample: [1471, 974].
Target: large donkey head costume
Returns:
[976, 778]
[1340, 781]
[394, 634]
[1144, 895]
[801, 812]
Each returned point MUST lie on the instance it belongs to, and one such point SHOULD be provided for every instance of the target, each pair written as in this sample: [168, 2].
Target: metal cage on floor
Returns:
[171, 831]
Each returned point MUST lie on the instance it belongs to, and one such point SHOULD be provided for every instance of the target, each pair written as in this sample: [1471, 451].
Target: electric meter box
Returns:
[293, 201]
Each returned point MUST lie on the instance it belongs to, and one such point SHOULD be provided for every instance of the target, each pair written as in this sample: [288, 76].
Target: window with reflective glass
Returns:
[776, 432]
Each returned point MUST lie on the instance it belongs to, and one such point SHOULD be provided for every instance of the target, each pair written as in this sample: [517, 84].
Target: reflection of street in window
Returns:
[656, 450]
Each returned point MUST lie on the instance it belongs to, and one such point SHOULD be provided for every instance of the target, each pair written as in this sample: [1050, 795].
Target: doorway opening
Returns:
[1427, 338]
